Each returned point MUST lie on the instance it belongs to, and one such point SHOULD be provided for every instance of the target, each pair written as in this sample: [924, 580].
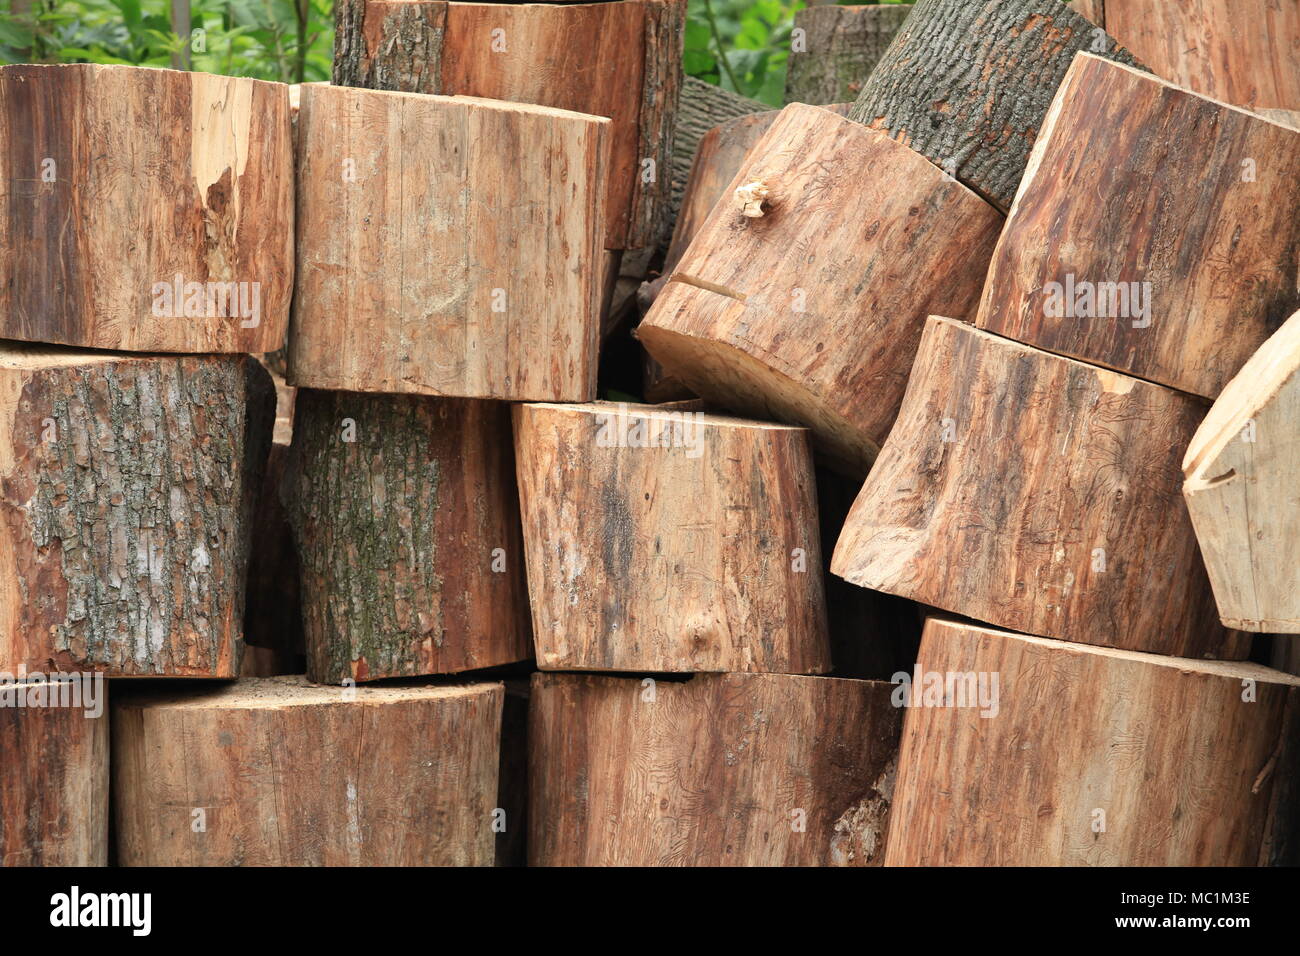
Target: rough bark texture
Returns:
[1242, 51]
[842, 45]
[811, 313]
[408, 535]
[276, 772]
[1038, 494]
[54, 789]
[1095, 758]
[1141, 190]
[196, 181]
[127, 484]
[389, 45]
[722, 770]
[664, 540]
[1242, 490]
[445, 265]
[967, 83]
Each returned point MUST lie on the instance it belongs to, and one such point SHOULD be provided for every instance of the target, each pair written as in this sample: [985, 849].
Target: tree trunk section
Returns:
[842, 45]
[127, 486]
[668, 540]
[1091, 10]
[406, 519]
[277, 772]
[384, 45]
[1141, 191]
[802, 313]
[716, 771]
[967, 83]
[1037, 494]
[1091, 757]
[180, 237]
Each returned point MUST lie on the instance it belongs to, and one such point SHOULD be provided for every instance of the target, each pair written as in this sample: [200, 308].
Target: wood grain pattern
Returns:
[1173, 758]
[967, 83]
[811, 314]
[408, 535]
[842, 45]
[127, 485]
[446, 266]
[1146, 190]
[677, 556]
[281, 773]
[723, 770]
[1039, 494]
[1242, 492]
[1241, 51]
[160, 174]
[54, 778]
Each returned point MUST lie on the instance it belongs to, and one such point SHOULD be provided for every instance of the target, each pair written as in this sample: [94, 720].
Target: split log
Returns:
[1091, 757]
[811, 313]
[620, 60]
[1038, 494]
[838, 49]
[54, 781]
[1245, 52]
[180, 187]
[1156, 233]
[1242, 492]
[127, 486]
[274, 772]
[462, 271]
[722, 770]
[967, 83]
[669, 540]
[406, 519]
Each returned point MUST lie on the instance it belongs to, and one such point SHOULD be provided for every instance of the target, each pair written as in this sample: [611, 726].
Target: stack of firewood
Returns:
[328, 410]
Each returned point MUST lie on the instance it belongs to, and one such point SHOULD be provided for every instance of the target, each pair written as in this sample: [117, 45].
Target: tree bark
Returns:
[277, 772]
[127, 485]
[967, 83]
[811, 313]
[407, 524]
[389, 45]
[1095, 757]
[668, 540]
[195, 194]
[842, 45]
[716, 771]
[1139, 190]
[1038, 494]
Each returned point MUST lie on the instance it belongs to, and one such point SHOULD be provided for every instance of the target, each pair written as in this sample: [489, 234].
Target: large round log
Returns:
[837, 50]
[1038, 494]
[1241, 489]
[1157, 232]
[968, 82]
[1021, 751]
[407, 524]
[810, 313]
[668, 540]
[722, 770]
[277, 772]
[127, 485]
[145, 210]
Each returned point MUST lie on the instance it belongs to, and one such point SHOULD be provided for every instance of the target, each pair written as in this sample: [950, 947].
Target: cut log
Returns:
[179, 187]
[1038, 494]
[127, 485]
[838, 49]
[1086, 756]
[722, 770]
[407, 524]
[1242, 491]
[811, 313]
[1092, 10]
[276, 772]
[1156, 233]
[54, 787]
[967, 83]
[461, 272]
[1242, 51]
[620, 60]
[669, 540]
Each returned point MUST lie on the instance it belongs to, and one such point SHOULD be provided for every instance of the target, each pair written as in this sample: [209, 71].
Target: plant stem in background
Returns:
[722, 56]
